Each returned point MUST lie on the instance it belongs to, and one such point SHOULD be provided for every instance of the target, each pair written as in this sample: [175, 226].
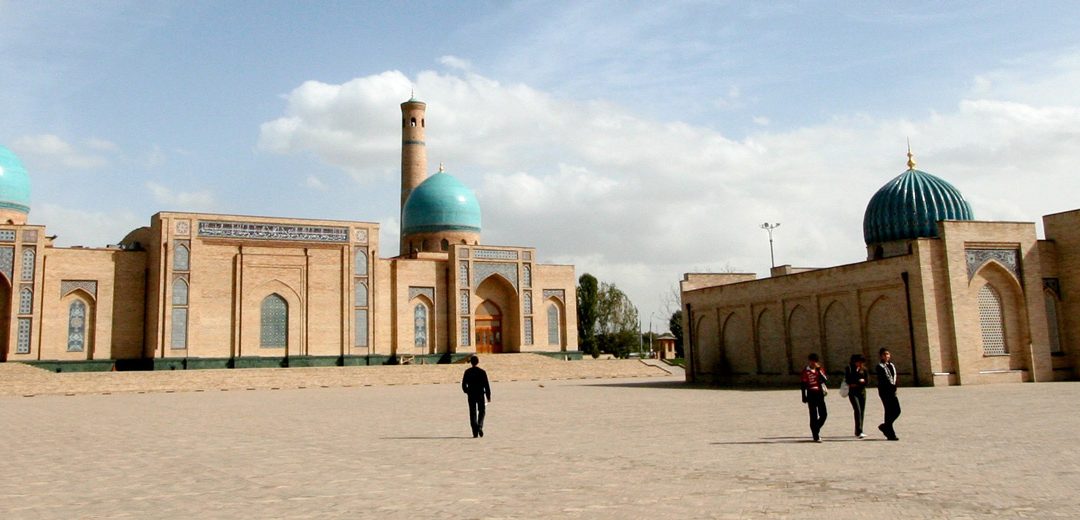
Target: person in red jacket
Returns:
[813, 394]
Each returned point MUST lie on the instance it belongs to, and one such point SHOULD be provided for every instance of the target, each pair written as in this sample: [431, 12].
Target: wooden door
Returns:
[489, 335]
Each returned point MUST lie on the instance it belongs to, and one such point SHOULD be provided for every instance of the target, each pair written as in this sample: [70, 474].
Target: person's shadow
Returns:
[426, 438]
[793, 440]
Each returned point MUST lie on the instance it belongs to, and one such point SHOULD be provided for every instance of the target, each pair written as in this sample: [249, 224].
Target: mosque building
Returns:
[209, 290]
[955, 300]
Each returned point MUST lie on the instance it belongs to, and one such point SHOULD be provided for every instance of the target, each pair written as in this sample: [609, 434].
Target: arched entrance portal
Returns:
[489, 338]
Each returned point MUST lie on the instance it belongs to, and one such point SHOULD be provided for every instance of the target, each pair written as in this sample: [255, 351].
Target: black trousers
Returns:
[892, 411]
[477, 409]
[815, 402]
[858, 405]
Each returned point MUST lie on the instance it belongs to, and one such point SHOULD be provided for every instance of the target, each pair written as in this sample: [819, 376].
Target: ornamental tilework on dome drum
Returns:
[482, 270]
[976, 258]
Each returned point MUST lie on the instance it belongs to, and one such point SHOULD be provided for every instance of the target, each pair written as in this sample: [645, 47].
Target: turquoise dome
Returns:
[910, 206]
[440, 203]
[14, 183]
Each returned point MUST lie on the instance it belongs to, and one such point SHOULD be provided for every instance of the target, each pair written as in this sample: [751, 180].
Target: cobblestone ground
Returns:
[622, 448]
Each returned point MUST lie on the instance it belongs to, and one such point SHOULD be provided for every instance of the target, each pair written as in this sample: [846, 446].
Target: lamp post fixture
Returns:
[769, 228]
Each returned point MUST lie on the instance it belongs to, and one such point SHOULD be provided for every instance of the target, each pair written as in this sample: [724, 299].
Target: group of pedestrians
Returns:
[856, 378]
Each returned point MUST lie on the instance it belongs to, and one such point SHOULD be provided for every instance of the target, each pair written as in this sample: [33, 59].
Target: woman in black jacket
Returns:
[855, 376]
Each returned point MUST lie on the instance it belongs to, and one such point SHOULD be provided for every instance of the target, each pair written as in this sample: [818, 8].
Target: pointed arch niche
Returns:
[272, 321]
[998, 310]
[496, 292]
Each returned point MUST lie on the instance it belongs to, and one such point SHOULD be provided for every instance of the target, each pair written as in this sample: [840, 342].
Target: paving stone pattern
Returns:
[614, 448]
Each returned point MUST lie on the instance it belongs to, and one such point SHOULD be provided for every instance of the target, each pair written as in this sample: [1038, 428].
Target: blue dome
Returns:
[441, 203]
[14, 183]
[910, 206]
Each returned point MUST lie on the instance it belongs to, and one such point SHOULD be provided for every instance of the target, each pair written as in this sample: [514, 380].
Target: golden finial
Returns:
[442, 169]
[910, 156]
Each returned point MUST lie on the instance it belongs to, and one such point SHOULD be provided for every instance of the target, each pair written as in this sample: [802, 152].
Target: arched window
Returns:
[28, 265]
[180, 258]
[76, 326]
[180, 292]
[553, 324]
[274, 322]
[420, 326]
[412, 121]
[528, 275]
[445, 245]
[990, 321]
[1052, 321]
[361, 263]
[26, 301]
[361, 295]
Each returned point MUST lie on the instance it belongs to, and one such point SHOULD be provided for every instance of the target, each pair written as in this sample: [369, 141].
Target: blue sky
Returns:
[636, 140]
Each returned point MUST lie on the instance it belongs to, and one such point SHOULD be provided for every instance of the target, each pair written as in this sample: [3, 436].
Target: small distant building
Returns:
[665, 345]
[956, 300]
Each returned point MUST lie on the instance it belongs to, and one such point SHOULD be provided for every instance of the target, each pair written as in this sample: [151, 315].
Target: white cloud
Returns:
[456, 63]
[93, 228]
[48, 152]
[638, 201]
[314, 183]
[181, 201]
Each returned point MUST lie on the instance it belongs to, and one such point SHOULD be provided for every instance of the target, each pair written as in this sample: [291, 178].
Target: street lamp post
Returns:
[769, 228]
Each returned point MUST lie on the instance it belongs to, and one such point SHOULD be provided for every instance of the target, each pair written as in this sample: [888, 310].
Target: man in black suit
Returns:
[475, 385]
[886, 388]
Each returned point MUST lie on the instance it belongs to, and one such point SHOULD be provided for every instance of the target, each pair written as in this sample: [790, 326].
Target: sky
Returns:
[635, 140]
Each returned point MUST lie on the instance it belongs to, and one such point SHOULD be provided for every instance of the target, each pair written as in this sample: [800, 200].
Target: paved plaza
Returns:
[614, 448]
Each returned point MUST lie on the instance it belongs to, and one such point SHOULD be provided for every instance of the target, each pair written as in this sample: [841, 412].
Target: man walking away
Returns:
[886, 389]
[475, 385]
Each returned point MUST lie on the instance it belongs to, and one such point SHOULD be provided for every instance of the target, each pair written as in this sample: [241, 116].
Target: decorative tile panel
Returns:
[361, 295]
[463, 273]
[527, 271]
[26, 300]
[7, 235]
[558, 294]
[426, 291]
[495, 254]
[7, 260]
[553, 324]
[463, 252]
[482, 270]
[360, 261]
[527, 255]
[181, 256]
[1010, 258]
[528, 331]
[178, 337]
[182, 227]
[465, 335]
[361, 316]
[463, 302]
[991, 323]
[180, 291]
[26, 267]
[360, 235]
[90, 286]
[274, 322]
[76, 327]
[528, 302]
[22, 340]
[260, 231]
[30, 235]
[420, 326]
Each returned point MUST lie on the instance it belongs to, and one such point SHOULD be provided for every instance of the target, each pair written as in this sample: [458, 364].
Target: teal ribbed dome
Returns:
[14, 183]
[441, 203]
[910, 206]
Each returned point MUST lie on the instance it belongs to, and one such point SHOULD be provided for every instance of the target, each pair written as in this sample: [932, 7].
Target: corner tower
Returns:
[413, 155]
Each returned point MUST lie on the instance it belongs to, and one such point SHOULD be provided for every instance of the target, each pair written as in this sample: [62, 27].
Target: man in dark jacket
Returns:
[475, 385]
[886, 389]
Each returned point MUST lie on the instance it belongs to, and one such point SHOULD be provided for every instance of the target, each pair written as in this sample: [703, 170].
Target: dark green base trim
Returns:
[571, 355]
[96, 365]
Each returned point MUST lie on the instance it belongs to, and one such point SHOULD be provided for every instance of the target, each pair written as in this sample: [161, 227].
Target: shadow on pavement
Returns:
[427, 438]
[794, 440]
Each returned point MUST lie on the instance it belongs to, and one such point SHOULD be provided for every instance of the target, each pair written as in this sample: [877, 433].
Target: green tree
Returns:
[617, 321]
[587, 314]
[675, 326]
